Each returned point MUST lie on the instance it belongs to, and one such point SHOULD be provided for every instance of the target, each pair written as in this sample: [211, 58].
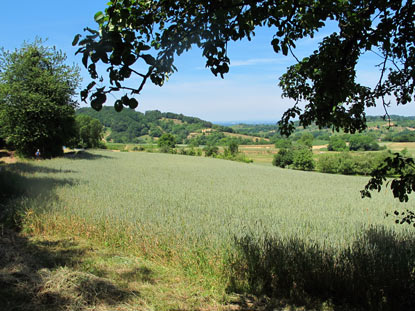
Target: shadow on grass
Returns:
[142, 274]
[43, 275]
[85, 155]
[20, 190]
[376, 273]
[29, 168]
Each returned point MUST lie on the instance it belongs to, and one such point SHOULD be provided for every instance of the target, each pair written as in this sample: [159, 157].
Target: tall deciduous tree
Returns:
[148, 34]
[90, 131]
[37, 110]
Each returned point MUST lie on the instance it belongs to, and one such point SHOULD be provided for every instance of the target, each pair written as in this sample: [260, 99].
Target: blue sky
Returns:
[248, 92]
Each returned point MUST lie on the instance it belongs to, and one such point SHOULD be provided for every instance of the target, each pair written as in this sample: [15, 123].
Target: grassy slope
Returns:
[184, 212]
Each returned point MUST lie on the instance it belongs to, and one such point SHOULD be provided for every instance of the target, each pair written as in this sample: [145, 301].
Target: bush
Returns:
[233, 147]
[346, 164]
[211, 151]
[363, 143]
[283, 143]
[306, 139]
[328, 163]
[336, 144]
[283, 158]
[166, 142]
[303, 158]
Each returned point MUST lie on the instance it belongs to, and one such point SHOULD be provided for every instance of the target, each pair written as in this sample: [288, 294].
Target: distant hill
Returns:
[130, 126]
[395, 130]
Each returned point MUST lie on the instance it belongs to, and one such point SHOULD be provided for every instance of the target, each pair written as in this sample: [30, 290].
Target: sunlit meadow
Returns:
[208, 201]
[197, 212]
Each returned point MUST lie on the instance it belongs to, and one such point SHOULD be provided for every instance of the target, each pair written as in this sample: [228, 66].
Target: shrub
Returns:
[211, 151]
[233, 147]
[346, 164]
[283, 143]
[283, 158]
[166, 142]
[303, 158]
[363, 143]
[306, 139]
[328, 163]
[336, 144]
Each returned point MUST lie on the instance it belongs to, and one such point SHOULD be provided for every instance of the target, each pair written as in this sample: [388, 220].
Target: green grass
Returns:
[226, 225]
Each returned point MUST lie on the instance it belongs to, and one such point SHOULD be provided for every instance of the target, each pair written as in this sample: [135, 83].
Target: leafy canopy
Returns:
[166, 142]
[37, 110]
[90, 130]
[141, 38]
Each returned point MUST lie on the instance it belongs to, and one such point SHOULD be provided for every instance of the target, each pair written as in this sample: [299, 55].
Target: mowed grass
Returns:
[219, 221]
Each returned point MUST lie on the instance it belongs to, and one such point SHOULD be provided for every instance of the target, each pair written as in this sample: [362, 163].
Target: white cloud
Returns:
[258, 61]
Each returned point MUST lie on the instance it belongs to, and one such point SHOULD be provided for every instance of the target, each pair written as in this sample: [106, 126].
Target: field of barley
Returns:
[232, 222]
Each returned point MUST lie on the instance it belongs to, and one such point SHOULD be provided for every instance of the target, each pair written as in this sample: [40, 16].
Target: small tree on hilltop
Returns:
[37, 110]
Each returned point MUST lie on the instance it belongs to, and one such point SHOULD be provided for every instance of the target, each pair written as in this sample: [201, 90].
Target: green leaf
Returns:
[133, 103]
[76, 39]
[125, 100]
[99, 17]
[84, 94]
[275, 45]
[284, 49]
[149, 59]
[118, 105]
[90, 85]
[85, 59]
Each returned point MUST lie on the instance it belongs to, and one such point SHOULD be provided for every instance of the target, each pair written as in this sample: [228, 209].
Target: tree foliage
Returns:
[283, 158]
[336, 143]
[303, 158]
[233, 147]
[36, 106]
[306, 139]
[149, 35]
[166, 142]
[363, 143]
[211, 150]
[130, 126]
[90, 131]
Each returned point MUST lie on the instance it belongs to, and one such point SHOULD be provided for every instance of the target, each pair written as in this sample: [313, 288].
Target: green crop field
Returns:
[221, 219]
